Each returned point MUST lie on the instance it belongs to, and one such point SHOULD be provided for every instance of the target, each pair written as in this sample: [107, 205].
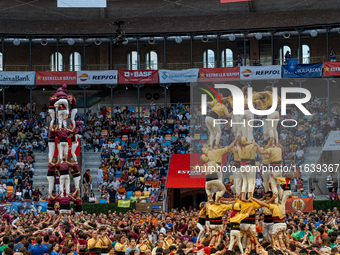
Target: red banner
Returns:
[140, 76]
[182, 172]
[219, 74]
[331, 69]
[55, 78]
[69, 147]
[299, 204]
[232, 1]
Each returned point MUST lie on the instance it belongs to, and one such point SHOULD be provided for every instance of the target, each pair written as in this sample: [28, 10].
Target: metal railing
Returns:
[170, 66]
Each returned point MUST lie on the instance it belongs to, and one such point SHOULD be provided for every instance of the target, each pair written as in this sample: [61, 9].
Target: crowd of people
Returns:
[159, 233]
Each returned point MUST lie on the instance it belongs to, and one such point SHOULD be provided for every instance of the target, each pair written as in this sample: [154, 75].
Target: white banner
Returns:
[178, 76]
[260, 72]
[333, 141]
[17, 78]
[97, 77]
[82, 3]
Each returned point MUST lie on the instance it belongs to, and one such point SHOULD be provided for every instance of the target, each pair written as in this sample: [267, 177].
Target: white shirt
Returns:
[299, 153]
[115, 184]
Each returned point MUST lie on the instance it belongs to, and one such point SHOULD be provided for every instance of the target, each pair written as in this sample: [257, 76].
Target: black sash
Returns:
[235, 226]
[216, 221]
[213, 115]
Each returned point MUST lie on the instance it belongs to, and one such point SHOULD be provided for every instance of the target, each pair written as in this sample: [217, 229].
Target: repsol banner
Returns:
[97, 77]
[260, 72]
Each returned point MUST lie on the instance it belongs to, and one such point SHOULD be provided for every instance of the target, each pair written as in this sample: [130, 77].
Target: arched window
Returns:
[57, 61]
[305, 54]
[227, 58]
[1, 67]
[151, 60]
[75, 61]
[283, 51]
[208, 59]
[132, 60]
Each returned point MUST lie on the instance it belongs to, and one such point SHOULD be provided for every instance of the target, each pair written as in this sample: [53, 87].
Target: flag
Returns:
[124, 203]
[299, 204]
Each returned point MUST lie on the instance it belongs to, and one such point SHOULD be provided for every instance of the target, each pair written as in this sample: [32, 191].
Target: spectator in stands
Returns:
[287, 56]
[121, 193]
[332, 55]
[43, 192]
[333, 195]
[3, 187]
[92, 198]
[299, 187]
[239, 60]
[134, 197]
[330, 183]
[36, 194]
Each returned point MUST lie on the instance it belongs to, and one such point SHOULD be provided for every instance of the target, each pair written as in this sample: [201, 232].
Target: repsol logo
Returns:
[268, 72]
[104, 77]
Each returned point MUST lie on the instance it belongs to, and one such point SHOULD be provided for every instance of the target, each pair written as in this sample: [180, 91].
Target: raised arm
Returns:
[262, 203]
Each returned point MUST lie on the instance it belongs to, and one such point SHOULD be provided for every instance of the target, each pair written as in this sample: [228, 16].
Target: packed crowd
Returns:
[162, 233]
[135, 161]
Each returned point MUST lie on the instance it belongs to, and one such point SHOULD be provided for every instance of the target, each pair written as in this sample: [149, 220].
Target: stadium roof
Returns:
[157, 16]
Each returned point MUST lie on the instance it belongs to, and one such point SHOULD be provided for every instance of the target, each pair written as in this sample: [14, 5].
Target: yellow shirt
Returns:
[236, 156]
[254, 97]
[99, 244]
[216, 211]
[265, 160]
[267, 211]
[211, 168]
[246, 205]
[169, 240]
[239, 217]
[106, 243]
[219, 109]
[283, 180]
[276, 210]
[215, 155]
[246, 151]
[275, 154]
[203, 213]
[269, 101]
[120, 247]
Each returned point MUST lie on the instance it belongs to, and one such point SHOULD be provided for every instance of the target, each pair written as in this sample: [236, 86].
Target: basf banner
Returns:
[260, 72]
[140, 76]
[178, 76]
[97, 77]
[17, 78]
[55, 78]
[219, 74]
[303, 71]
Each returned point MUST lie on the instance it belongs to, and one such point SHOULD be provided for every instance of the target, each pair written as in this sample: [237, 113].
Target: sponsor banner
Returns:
[331, 69]
[81, 3]
[124, 203]
[182, 172]
[178, 76]
[24, 207]
[219, 74]
[233, 1]
[138, 76]
[260, 72]
[55, 78]
[17, 78]
[299, 204]
[333, 141]
[302, 71]
[97, 77]
[69, 141]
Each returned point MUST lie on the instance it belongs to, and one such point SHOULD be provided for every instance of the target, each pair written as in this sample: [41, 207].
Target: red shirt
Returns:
[63, 134]
[63, 168]
[36, 195]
